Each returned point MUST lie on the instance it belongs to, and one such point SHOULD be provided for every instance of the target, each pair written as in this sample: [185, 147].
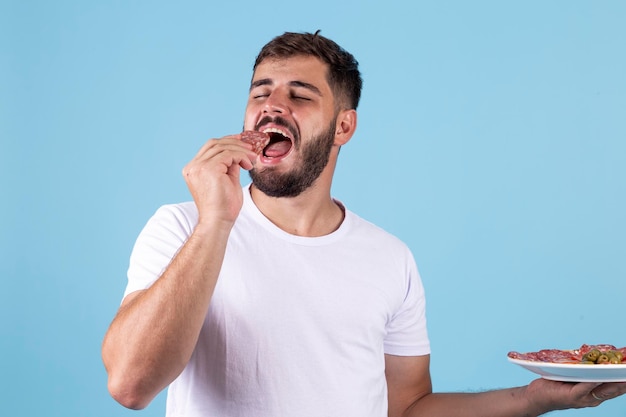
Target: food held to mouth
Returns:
[258, 140]
[270, 143]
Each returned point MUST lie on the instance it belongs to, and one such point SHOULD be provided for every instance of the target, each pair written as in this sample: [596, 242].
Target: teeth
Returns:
[275, 130]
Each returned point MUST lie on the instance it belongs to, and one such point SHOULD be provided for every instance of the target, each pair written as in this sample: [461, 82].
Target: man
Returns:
[275, 299]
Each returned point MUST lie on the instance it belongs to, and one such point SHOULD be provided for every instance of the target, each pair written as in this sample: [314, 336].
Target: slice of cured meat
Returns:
[548, 355]
[562, 356]
[258, 140]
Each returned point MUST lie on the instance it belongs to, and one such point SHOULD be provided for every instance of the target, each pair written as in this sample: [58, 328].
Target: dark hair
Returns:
[343, 75]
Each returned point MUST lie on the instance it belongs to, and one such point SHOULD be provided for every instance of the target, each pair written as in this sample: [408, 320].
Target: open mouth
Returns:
[280, 143]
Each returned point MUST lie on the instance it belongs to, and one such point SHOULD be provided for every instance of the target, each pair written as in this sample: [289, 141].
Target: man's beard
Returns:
[314, 158]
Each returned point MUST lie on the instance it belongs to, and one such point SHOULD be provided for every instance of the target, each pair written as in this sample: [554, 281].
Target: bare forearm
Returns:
[154, 334]
[500, 403]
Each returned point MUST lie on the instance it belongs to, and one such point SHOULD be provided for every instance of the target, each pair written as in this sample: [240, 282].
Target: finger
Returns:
[218, 161]
[226, 151]
[232, 142]
[608, 391]
[584, 389]
[596, 396]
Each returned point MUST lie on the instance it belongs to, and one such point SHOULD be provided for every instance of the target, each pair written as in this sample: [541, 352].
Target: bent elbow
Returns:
[128, 394]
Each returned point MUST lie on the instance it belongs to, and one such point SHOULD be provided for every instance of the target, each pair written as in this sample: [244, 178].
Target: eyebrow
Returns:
[300, 84]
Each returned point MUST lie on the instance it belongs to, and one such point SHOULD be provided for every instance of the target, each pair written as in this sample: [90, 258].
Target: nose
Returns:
[276, 102]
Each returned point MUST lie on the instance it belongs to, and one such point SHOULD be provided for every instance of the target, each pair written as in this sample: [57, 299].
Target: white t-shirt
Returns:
[297, 326]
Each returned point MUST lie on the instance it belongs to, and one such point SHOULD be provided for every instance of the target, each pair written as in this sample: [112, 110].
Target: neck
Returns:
[313, 213]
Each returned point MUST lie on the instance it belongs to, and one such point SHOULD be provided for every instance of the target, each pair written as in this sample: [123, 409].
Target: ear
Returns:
[345, 126]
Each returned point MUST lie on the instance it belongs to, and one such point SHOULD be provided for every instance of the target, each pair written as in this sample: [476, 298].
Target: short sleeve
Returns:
[407, 333]
[158, 242]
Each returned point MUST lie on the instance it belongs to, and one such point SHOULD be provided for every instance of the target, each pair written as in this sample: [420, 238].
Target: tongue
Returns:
[277, 149]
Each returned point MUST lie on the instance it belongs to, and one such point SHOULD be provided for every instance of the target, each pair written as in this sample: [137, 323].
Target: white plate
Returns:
[571, 372]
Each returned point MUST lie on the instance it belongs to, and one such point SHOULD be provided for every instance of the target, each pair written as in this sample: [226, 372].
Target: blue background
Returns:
[491, 139]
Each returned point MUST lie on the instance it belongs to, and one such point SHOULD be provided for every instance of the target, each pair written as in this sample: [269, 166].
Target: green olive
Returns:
[618, 354]
[592, 355]
[603, 358]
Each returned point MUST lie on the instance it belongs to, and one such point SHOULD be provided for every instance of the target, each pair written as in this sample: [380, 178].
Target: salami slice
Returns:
[548, 355]
[564, 356]
[258, 140]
